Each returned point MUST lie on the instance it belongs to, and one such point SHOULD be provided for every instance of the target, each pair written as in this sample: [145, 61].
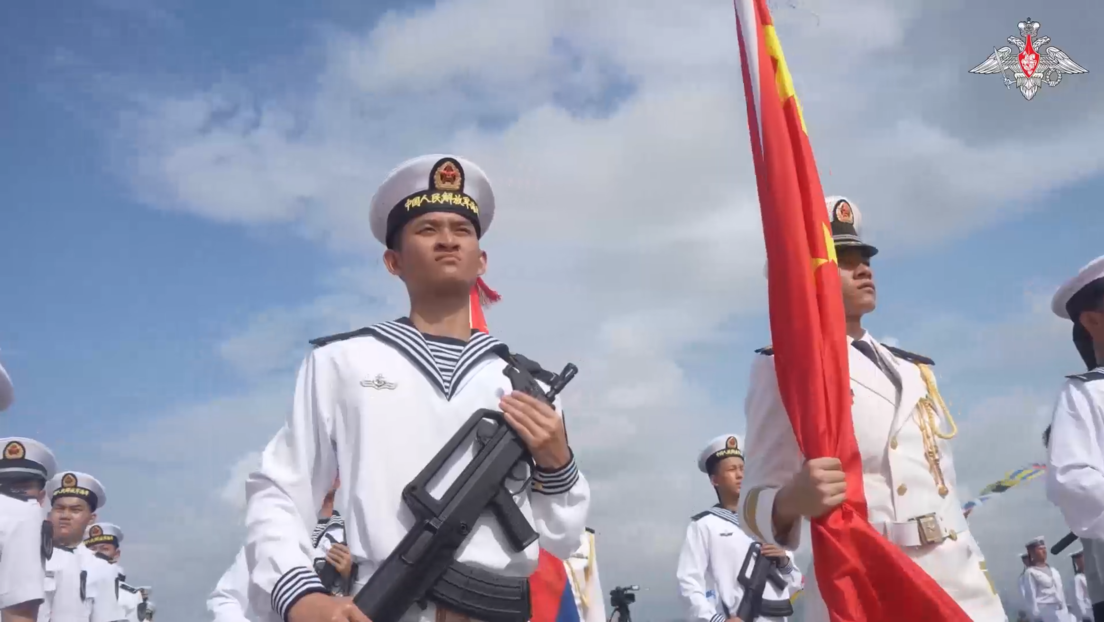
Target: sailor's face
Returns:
[438, 251]
[860, 296]
[728, 475]
[108, 549]
[70, 517]
[1039, 554]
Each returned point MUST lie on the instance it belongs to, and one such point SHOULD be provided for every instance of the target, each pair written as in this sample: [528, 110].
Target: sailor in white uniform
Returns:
[1075, 470]
[380, 402]
[1025, 557]
[715, 546]
[903, 431]
[1045, 597]
[107, 540]
[586, 586]
[25, 540]
[74, 499]
[1082, 604]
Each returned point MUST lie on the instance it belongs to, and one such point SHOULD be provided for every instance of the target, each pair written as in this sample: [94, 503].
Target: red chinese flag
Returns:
[861, 575]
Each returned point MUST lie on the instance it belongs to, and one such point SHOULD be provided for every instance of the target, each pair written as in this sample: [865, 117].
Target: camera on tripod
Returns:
[620, 599]
[623, 596]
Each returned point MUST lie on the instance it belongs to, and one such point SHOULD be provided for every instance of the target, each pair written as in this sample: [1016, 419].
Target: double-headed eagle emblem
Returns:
[1037, 63]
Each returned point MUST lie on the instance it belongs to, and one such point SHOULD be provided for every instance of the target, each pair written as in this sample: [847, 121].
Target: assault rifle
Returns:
[763, 569]
[423, 566]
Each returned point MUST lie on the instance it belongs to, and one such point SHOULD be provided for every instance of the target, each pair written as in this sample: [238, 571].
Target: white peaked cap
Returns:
[724, 446]
[431, 183]
[1093, 271]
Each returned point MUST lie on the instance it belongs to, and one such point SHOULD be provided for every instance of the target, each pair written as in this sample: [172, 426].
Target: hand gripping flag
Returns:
[550, 595]
[861, 575]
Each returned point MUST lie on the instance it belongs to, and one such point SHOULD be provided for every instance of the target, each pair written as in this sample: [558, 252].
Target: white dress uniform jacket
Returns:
[1045, 598]
[897, 478]
[101, 599]
[229, 601]
[582, 573]
[1075, 473]
[375, 405]
[63, 589]
[129, 596]
[1082, 606]
[22, 571]
[709, 568]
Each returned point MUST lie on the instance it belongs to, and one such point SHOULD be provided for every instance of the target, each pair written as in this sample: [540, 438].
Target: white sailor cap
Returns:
[725, 446]
[103, 533]
[7, 392]
[77, 485]
[1036, 541]
[26, 457]
[431, 183]
[145, 590]
[846, 221]
[1081, 292]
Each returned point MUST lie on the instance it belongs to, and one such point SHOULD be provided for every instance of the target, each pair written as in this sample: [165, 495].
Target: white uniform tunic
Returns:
[897, 478]
[63, 589]
[229, 602]
[378, 407]
[22, 571]
[101, 601]
[1045, 598]
[1075, 473]
[709, 568]
[586, 587]
[129, 596]
[1082, 606]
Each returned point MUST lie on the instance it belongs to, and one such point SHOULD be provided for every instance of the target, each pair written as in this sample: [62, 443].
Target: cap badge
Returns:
[68, 480]
[95, 532]
[731, 443]
[844, 213]
[14, 451]
[447, 177]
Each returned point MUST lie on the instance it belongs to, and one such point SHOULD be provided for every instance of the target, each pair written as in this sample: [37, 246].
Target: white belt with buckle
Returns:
[923, 530]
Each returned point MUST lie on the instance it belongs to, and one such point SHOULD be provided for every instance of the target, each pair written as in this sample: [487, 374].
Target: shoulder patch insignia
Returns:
[767, 351]
[1096, 374]
[700, 515]
[323, 341]
[911, 357]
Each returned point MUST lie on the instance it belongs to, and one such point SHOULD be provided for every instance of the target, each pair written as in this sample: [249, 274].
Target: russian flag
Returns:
[550, 592]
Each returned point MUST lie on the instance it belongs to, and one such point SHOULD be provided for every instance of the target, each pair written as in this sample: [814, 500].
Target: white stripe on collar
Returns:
[413, 344]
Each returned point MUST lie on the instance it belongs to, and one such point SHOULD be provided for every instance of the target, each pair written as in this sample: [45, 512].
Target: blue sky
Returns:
[184, 194]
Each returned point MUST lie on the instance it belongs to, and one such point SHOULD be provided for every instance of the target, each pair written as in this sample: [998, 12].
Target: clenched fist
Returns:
[818, 487]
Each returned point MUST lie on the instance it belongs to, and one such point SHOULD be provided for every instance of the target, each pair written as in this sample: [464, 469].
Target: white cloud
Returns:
[632, 229]
[233, 493]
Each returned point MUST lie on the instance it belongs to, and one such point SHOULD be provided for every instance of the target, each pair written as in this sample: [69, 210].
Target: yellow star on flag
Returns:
[782, 78]
[830, 245]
